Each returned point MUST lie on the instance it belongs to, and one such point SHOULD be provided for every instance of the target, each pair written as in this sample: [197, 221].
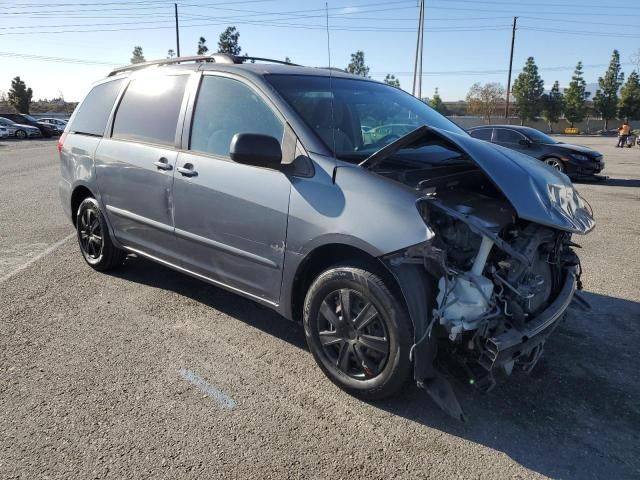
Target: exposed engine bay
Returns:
[501, 284]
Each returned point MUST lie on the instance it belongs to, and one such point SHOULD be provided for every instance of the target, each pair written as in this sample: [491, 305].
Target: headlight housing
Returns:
[579, 156]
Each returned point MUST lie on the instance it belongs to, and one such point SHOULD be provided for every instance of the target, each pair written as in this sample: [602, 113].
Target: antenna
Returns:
[333, 118]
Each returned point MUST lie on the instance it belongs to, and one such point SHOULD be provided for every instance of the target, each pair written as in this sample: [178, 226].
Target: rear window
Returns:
[93, 113]
[150, 108]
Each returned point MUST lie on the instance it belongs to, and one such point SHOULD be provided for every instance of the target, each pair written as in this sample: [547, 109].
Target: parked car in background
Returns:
[574, 160]
[45, 129]
[425, 243]
[19, 130]
[56, 122]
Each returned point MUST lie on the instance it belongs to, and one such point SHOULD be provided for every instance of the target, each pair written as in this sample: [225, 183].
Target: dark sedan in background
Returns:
[45, 129]
[574, 160]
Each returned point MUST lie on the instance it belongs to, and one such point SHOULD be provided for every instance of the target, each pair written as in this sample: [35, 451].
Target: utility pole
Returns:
[513, 41]
[417, 66]
[175, 7]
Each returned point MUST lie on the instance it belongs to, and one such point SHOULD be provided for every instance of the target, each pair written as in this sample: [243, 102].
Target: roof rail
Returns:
[216, 57]
[239, 59]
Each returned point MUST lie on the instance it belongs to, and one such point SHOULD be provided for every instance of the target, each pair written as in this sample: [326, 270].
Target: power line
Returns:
[27, 56]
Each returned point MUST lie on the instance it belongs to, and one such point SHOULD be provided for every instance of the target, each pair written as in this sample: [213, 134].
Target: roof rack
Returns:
[216, 57]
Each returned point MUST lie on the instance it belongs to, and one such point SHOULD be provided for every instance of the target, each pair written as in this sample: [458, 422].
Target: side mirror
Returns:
[256, 149]
[524, 142]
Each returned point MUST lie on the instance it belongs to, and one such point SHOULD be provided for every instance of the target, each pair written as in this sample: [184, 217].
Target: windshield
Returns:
[30, 118]
[539, 137]
[355, 118]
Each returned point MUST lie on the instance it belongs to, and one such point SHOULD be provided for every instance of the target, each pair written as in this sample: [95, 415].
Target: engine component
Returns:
[466, 298]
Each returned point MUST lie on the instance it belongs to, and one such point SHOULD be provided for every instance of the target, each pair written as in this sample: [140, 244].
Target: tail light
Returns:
[61, 141]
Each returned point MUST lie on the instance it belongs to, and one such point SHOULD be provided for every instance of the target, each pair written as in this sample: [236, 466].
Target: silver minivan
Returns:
[398, 254]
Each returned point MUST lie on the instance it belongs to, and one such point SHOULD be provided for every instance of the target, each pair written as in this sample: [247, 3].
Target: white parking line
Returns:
[32, 260]
[205, 387]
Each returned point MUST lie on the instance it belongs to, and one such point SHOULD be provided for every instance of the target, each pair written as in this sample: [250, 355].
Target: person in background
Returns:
[623, 134]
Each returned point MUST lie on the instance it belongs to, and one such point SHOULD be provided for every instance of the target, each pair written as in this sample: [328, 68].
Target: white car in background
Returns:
[56, 122]
[19, 130]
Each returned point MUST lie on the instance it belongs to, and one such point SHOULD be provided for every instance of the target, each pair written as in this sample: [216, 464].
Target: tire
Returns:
[371, 370]
[21, 134]
[556, 163]
[94, 239]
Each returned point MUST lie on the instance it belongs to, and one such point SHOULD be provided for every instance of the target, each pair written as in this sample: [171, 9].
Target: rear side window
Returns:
[508, 136]
[481, 134]
[149, 109]
[226, 107]
[93, 113]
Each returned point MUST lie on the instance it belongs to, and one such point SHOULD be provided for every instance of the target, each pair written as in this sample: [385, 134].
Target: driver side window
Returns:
[225, 107]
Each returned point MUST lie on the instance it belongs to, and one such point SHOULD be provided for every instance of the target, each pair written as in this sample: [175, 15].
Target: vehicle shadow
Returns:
[140, 270]
[576, 416]
[611, 182]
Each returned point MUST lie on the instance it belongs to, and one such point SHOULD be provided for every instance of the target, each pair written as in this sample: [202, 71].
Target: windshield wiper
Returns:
[388, 150]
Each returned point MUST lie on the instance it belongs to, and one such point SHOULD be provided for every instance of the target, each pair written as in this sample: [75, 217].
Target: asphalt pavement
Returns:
[148, 373]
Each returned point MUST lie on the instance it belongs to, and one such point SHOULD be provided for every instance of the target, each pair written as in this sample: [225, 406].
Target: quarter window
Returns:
[150, 108]
[225, 107]
[93, 113]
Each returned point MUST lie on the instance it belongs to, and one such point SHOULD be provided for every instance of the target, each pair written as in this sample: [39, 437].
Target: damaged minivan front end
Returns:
[496, 278]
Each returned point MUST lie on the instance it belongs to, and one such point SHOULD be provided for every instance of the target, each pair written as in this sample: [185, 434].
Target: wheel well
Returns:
[322, 258]
[78, 195]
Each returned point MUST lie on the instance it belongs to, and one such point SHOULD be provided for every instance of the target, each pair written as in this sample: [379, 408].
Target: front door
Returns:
[231, 218]
[134, 166]
[515, 141]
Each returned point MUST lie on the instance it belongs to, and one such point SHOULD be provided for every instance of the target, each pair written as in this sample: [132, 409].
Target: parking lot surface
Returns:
[148, 373]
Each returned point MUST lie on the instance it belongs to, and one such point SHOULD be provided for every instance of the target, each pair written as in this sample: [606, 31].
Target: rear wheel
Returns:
[21, 134]
[358, 332]
[94, 239]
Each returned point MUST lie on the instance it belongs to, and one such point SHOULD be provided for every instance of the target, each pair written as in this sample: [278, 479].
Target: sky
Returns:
[465, 41]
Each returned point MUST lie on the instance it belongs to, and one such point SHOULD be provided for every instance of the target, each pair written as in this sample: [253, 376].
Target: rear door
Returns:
[482, 133]
[135, 163]
[230, 218]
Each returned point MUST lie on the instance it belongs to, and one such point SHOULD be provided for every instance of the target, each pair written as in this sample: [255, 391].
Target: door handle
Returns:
[163, 164]
[187, 170]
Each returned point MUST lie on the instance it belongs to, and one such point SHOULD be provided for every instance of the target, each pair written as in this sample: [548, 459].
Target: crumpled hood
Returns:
[537, 192]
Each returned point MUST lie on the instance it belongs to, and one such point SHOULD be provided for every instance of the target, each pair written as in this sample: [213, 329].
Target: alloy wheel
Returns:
[21, 134]
[353, 334]
[90, 234]
[554, 163]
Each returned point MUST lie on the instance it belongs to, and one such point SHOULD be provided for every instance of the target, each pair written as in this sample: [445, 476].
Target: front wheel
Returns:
[21, 134]
[556, 163]
[93, 237]
[358, 332]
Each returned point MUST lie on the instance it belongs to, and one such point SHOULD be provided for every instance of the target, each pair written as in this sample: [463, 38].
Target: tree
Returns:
[483, 99]
[171, 53]
[228, 42]
[357, 65]
[19, 95]
[575, 97]
[552, 105]
[138, 56]
[437, 104]
[629, 103]
[605, 100]
[202, 48]
[390, 79]
[527, 90]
